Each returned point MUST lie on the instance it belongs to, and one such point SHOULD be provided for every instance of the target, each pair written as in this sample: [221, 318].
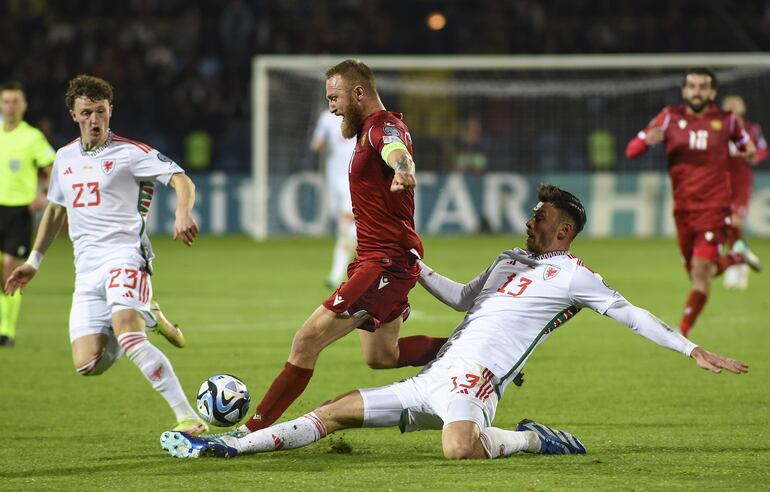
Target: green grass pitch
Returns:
[649, 417]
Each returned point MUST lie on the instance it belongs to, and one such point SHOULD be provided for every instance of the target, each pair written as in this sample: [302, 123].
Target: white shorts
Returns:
[448, 391]
[338, 196]
[118, 284]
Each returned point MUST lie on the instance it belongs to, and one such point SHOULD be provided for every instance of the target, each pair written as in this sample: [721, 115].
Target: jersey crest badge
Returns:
[550, 272]
[682, 124]
[716, 125]
[108, 166]
[15, 165]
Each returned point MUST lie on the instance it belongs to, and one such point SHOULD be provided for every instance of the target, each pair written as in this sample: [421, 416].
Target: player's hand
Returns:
[403, 180]
[750, 152]
[715, 363]
[19, 279]
[38, 203]
[654, 136]
[185, 228]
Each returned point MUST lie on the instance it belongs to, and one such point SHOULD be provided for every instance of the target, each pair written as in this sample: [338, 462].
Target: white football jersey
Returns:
[339, 149]
[105, 193]
[516, 307]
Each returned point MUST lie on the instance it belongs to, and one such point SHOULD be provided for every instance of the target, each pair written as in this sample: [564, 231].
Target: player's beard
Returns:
[352, 120]
[697, 108]
[536, 242]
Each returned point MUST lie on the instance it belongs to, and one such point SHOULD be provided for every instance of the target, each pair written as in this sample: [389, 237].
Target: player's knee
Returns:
[307, 340]
[381, 356]
[90, 366]
[382, 359]
[459, 451]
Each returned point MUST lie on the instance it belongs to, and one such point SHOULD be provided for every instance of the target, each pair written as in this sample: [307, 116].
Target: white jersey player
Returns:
[98, 182]
[512, 307]
[327, 136]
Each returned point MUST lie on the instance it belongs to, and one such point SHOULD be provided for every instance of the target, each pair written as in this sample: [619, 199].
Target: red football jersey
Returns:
[384, 220]
[697, 152]
[741, 172]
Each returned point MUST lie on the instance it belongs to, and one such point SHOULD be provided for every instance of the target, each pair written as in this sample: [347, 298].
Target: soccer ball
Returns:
[223, 400]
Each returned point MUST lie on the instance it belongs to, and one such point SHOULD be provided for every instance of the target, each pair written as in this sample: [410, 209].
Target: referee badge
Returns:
[15, 165]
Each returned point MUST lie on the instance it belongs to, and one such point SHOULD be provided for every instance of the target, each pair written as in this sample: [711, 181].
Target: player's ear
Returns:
[358, 92]
[565, 230]
[72, 114]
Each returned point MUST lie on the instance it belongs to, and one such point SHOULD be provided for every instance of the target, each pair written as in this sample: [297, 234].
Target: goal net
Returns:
[485, 120]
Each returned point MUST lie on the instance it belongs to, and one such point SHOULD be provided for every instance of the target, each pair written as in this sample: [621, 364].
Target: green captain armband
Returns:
[386, 150]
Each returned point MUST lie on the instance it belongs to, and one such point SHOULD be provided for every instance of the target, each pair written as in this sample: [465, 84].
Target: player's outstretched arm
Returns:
[185, 227]
[643, 141]
[454, 294]
[51, 223]
[646, 324]
[715, 362]
[403, 165]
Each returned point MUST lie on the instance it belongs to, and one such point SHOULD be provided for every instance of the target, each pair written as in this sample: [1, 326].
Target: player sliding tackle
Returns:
[512, 306]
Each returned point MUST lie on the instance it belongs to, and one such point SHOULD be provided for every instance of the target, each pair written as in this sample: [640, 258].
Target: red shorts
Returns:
[701, 233]
[377, 290]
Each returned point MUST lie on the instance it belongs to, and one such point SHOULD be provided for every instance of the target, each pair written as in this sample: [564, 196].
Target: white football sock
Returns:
[500, 442]
[742, 276]
[730, 276]
[344, 248]
[288, 435]
[340, 261]
[157, 369]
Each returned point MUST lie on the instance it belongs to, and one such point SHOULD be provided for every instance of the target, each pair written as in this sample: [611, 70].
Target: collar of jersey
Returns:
[551, 254]
[99, 148]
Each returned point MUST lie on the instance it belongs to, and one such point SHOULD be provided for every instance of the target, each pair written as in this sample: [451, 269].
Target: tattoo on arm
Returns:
[405, 164]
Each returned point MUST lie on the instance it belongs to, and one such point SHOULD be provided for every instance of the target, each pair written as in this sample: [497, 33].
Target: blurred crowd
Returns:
[181, 68]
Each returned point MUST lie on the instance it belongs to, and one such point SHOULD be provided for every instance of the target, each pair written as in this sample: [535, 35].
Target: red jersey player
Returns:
[386, 266]
[741, 181]
[696, 135]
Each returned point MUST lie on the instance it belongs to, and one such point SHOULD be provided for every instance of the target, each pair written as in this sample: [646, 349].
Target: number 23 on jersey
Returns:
[86, 194]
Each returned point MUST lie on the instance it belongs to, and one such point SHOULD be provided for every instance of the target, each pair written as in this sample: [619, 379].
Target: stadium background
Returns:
[182, 73]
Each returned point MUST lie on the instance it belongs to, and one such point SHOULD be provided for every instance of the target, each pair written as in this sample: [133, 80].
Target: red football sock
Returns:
[692, 309]
[728, 260]
[289, 384]
[418, 350]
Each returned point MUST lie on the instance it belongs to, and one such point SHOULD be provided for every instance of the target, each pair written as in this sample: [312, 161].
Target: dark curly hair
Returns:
[700, 71]
[93, 88]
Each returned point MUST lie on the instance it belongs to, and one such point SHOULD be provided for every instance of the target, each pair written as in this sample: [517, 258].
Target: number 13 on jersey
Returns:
[517, 289]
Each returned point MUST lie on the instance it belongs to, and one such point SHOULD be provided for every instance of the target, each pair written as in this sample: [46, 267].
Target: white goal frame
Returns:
[260, 103]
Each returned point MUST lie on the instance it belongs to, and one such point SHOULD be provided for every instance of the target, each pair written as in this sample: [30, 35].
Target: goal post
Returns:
[540, 116]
